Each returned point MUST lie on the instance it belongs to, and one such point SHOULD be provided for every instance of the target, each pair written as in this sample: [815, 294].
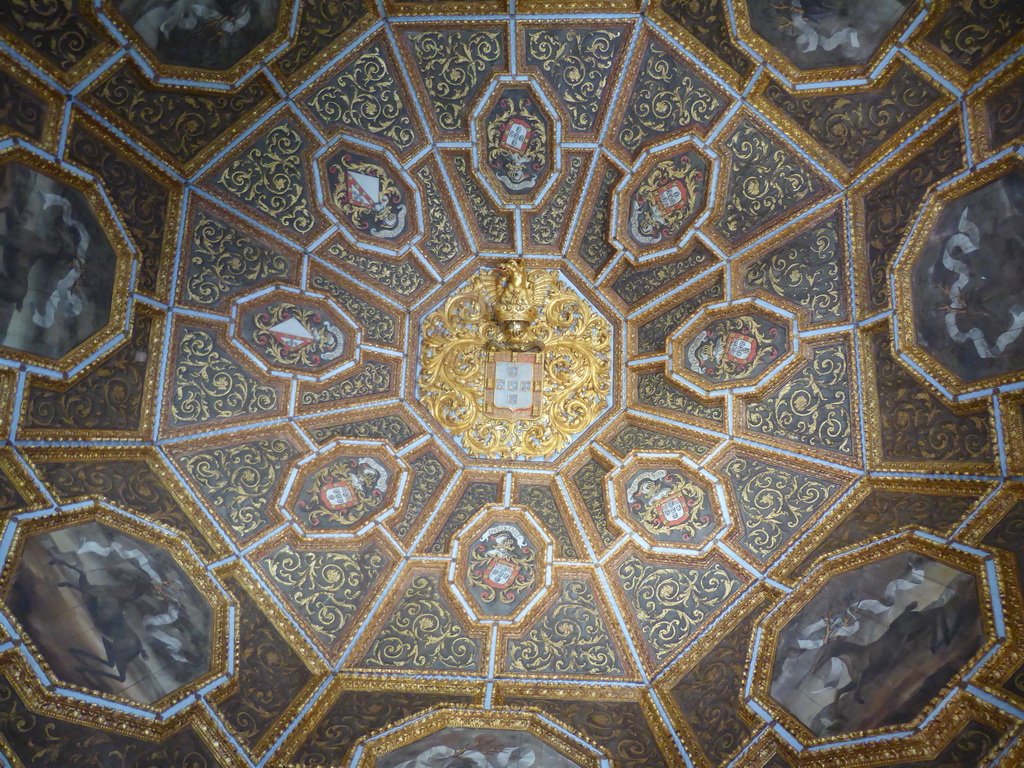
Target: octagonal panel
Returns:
[964, 279]
[737, 346]
[670, 192]
[343, 490]
[666, 502]
[872, 646]
[515, 136]
[296, 333]
[371, 197]
[62, 282]
[112, 613]
[207, 35]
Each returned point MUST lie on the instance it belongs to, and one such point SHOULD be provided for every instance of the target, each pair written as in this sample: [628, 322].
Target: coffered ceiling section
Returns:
[422, 384]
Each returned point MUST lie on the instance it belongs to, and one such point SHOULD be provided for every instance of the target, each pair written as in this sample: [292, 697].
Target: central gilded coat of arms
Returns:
[515, 364]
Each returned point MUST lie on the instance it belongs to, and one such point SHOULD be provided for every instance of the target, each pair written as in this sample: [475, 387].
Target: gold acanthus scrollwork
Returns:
[515, 309]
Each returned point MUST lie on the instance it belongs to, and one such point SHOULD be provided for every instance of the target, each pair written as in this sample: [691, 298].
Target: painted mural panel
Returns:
[476, 748]
[968, 282]
[876, 644]
[111, 612]
[57, 268]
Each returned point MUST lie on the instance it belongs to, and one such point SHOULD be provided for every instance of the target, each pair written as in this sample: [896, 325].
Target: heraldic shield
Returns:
[515, 385]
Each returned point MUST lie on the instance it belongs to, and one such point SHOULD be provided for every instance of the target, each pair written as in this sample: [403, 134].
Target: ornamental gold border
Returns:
[665, 304]
[563, 507]
[52, 101]
[329, 51]
[1011, 408]
[904, 278]
[157, 465]
[942, 101]
[675, 430]
[341, 682]
[575, 197]
[81, 69]
[704, 561]
[175, 193]
[735, 531]
[857, 195]
[943, 64]
[396, 9]
[382, 452]
[9, 387]
[106, 219]
[178, 452]
[371, 600]
[189, 564]
[766, 381]
[746, 33]
[781, 136]
[579, 6]
[792, 569]
[625, 25]
[790, 606]
[219, 330]
[596, 692]
[20, 479]
[489, 515]
[653, 33]
[925, 745]
[361, 415]
[420, 725]
[787, 234]
[147, 412]
[977, 111]
[873, 416]
[378, 612]
[275, 118]
[684, 419]
[709, 59]
[1009, 581]
[400, 28]
[39, 700]
[527, 621]
[456, 489]
[249, 61]
[273, 242]
[638, 462]
[318, 671]
[758, 600]
[468, 212]
[803, 360]
[345, 363]
[215, 144]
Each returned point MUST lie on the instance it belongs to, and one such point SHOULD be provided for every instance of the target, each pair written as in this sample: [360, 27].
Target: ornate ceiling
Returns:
[302, 469]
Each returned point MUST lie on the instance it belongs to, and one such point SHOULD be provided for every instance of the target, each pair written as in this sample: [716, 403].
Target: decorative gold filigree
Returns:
[576, 369]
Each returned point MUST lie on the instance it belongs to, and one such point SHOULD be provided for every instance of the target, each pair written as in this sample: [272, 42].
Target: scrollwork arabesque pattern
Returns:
[21, 109]
[109, 397]
[669, 603]
[427, 475]
[270, 673]
[182, 125]
[1005, 112]
[237, 481]
[577, 346]
[852, 126]
[321, 22]
[423, 633]
[547, 226]
[476, 495]
[373, 379]
[667, 98]
[495, 227]
[654, 389]
[636, 284]
[365, 96]
[208, 385]
[765, 181]
[595, 248]
[53, 28]
[807, 270]
[326, 588]
[570, 638]
[917, 425]
[454, 64]
[635, 438]
[589, 481]
[377, 324]
[10, 497]
[708, 21]
[222, 262]
[389, 428]
[403, 278]
[1008, 534]
[542, 503]
[774, 502]
[441, 242]
[813, 407]
[270, 177]
[971, 30]
[576, 63]
[651, 336]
